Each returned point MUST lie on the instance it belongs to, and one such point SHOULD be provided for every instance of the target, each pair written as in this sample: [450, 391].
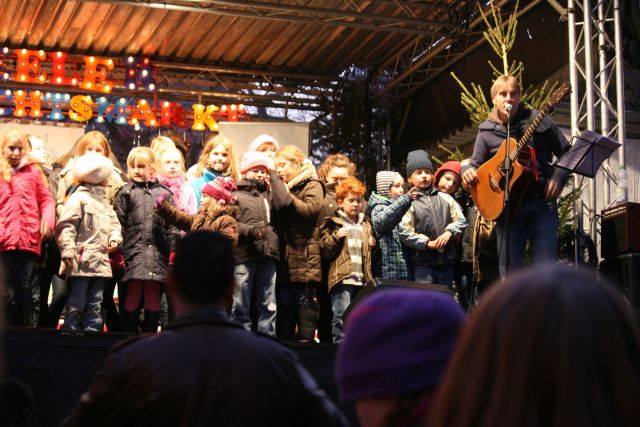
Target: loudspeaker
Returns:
[620, 230]
[624, 271]
[380, 284]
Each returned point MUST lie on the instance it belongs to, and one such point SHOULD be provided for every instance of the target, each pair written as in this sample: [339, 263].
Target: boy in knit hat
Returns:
[447, 177]
[429, 225]
[398, 343]
[386, 207]
[88, 230]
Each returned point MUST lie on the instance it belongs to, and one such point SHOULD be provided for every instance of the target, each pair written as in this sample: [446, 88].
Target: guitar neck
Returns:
[529, 132]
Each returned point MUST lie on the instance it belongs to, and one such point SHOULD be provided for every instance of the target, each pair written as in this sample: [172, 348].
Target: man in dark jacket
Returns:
[204, 370]
[537, 216]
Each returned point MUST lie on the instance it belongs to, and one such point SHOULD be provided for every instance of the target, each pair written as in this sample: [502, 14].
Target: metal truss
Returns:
[425, 58]
[304, 13]
[593, 76]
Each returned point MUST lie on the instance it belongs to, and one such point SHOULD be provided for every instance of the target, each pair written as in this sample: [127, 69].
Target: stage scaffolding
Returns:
[596, 70]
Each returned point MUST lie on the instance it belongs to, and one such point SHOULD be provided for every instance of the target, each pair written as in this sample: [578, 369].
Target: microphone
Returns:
[508, 107]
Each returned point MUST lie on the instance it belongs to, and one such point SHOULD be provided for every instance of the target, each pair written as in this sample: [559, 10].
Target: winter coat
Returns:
[335, 250]
[67, 185]
[547, 141]
[204, 371]
[298, 231]
[147, 238]
[385, 215]
[87, 225]
[25, 203]
[431, 214]
[198, 183]
[223, 223]
[257, 209]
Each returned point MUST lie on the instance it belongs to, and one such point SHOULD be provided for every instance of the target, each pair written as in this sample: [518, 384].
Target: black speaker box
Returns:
[620, 230]
[624, 271]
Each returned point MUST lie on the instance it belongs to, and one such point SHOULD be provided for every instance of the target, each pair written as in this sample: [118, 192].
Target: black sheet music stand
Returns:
[587, 153]
[585, 156]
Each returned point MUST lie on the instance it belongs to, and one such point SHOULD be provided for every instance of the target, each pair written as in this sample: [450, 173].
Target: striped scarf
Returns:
[354, 247]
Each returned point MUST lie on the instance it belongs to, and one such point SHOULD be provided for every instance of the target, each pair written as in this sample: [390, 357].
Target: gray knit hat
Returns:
[384, 181]
[418, 159]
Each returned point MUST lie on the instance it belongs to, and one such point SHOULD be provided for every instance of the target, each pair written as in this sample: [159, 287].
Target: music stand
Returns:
[585, 156]
[587, 153]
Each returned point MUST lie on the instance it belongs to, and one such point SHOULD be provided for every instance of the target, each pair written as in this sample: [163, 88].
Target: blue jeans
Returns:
[256, 278]
[341, 297]
[438, 274]
[83, 306]
[536, 220]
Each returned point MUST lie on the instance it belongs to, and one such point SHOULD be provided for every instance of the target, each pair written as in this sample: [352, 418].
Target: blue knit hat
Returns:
[398, 341]
[418, 159]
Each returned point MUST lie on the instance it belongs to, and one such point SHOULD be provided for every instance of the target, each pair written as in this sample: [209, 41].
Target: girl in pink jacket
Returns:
[27, 214]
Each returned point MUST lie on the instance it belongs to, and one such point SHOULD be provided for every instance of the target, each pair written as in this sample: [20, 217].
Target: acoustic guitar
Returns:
[488, 193]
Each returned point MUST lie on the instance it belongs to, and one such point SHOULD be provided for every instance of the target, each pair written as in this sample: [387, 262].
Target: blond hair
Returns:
[336, 160]
[211, 142]
[10, 136]
[143, 156]
[160, 143]
[503, 80]
[292, 154]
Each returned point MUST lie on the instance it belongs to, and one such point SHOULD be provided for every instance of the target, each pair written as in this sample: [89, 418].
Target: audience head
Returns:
[551, 346]
[288, 161]
[389, 184]
[419, 169]
[397, 345]
[218, 156]
[335, 168]
[141, 164]
[447, 177]
[199, 254]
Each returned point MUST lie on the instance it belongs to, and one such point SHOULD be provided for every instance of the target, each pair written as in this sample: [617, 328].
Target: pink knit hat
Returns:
[252, 159]
[222, 189]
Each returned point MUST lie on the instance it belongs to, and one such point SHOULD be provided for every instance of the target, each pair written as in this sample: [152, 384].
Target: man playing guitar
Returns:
[537, 216]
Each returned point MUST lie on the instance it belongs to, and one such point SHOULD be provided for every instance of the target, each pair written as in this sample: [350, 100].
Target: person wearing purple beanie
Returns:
[397, 345]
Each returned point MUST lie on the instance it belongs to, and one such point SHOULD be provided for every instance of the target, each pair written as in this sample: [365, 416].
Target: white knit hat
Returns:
[261, 139]
[92, 168]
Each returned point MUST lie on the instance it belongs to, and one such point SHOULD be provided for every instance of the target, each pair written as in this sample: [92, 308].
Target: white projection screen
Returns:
[242, 133]
[57, 139]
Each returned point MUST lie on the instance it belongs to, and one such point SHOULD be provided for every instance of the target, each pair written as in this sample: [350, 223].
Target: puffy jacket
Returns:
[25, 203]
[224, 223]
[86, 226]
[147, 238]
[386, 215]
[298, 230]
[67, 182]
[204, 371]
[431, 214]
[257, 208]
[335, 250]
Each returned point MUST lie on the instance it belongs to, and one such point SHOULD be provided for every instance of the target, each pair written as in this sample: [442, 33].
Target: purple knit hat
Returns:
[398, 341]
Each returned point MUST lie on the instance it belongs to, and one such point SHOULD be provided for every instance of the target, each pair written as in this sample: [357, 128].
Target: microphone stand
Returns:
[507, 190]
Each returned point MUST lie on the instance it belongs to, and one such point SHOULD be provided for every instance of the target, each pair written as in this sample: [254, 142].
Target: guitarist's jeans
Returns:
[536, 220]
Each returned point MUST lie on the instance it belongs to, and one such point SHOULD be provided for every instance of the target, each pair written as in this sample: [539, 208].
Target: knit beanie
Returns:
[418, 159]
[384, 181]
[222, 189]
[92, 168]
[261, 139]
[251, 159]
[397, 341]
[452, 165]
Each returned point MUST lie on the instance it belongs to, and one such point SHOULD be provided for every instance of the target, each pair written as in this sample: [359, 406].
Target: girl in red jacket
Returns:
[27, 214]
